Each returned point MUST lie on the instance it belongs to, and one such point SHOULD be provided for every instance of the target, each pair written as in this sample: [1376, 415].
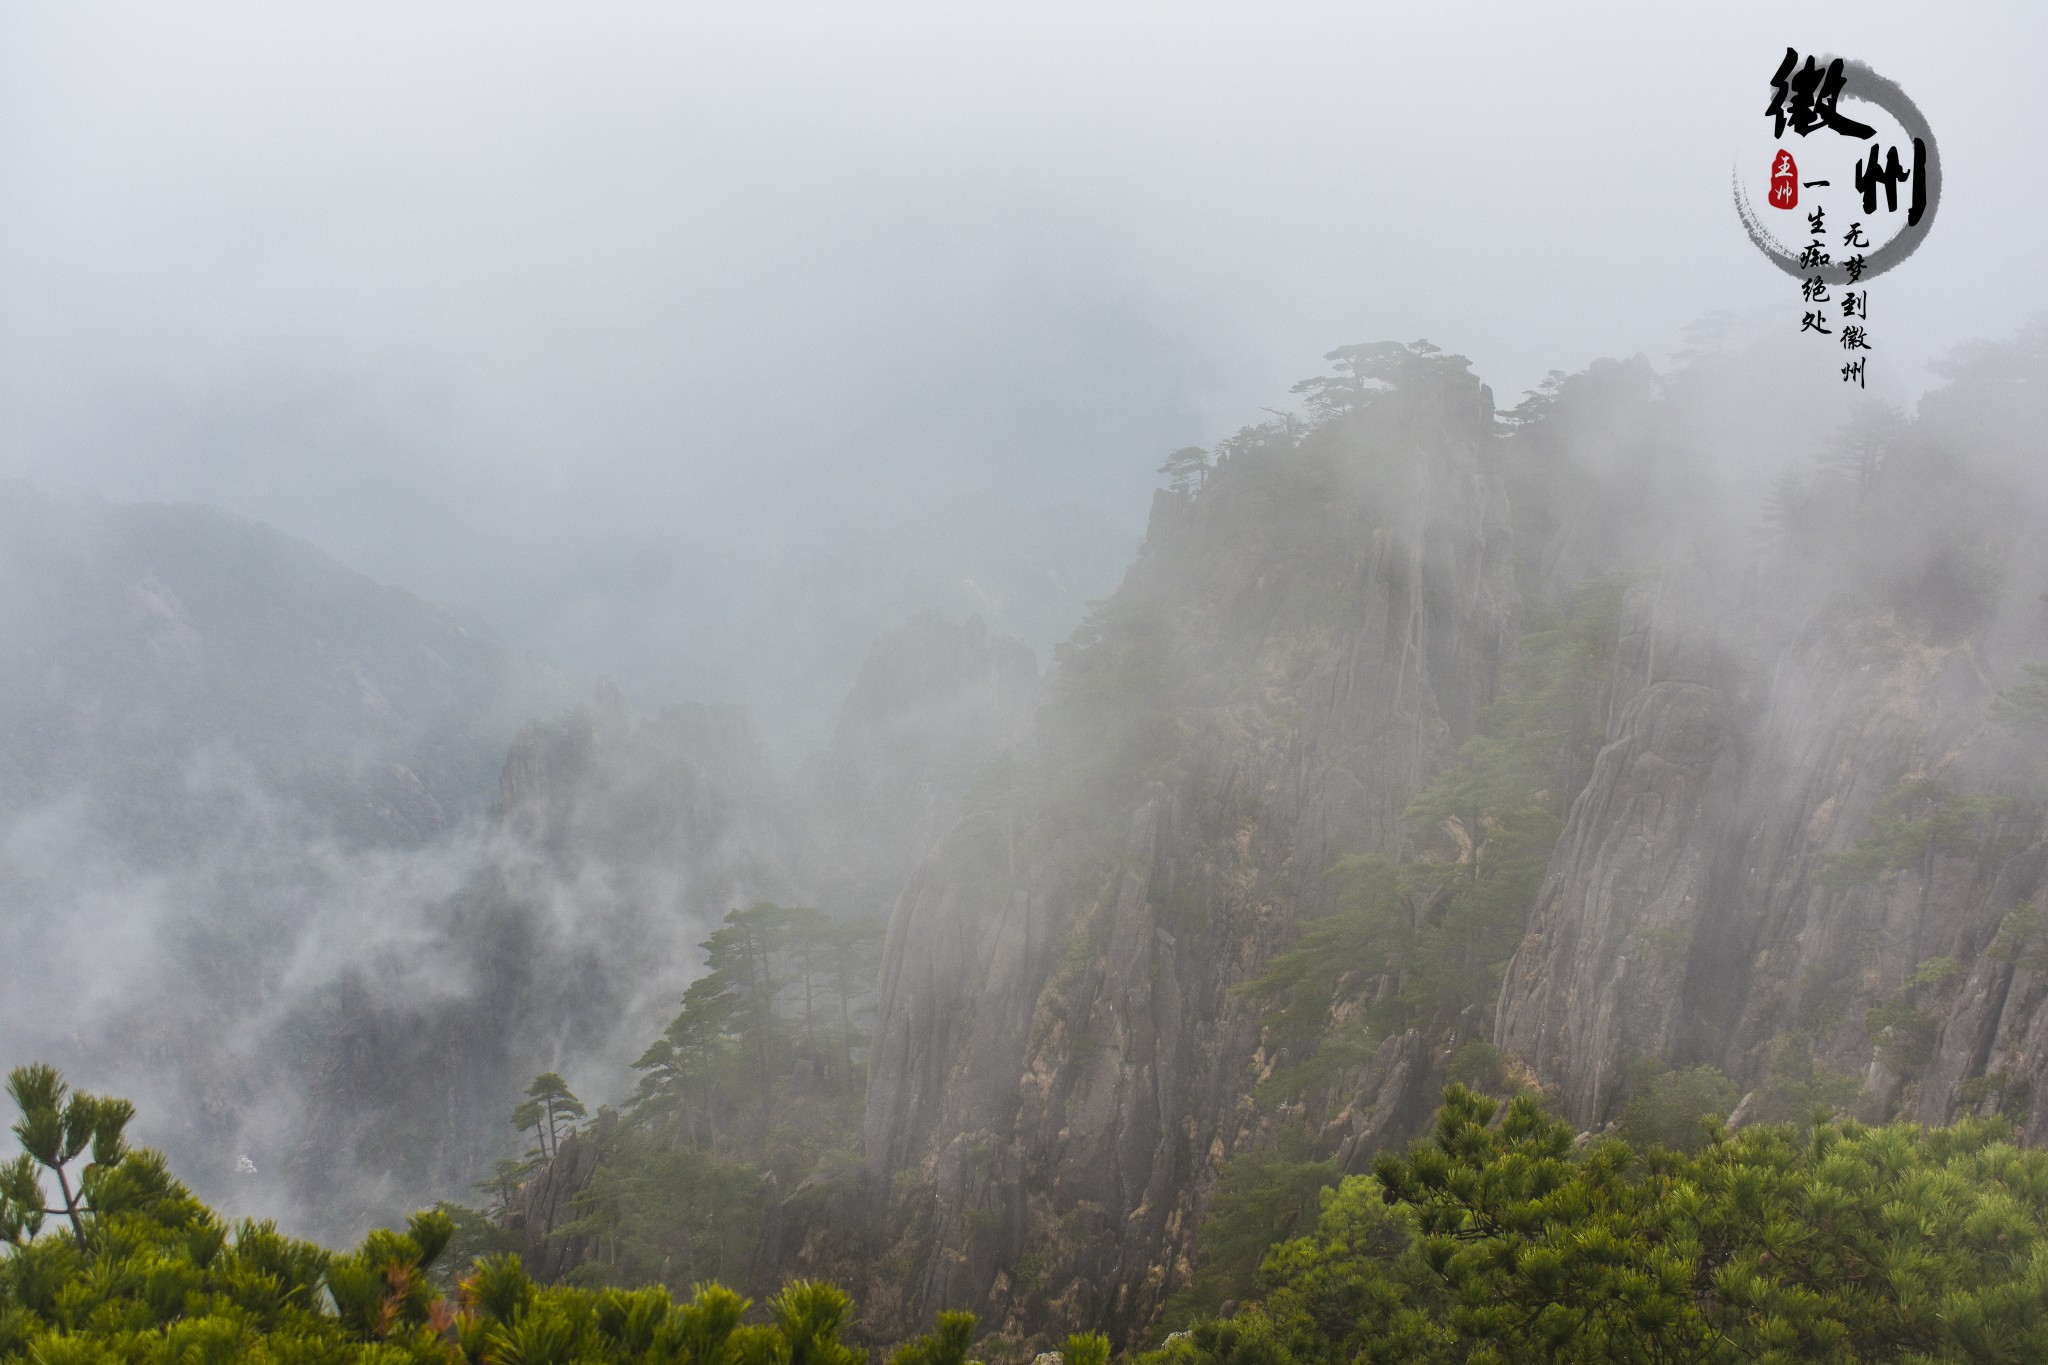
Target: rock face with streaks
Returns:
[1059, 1065]
[1806, 846]
[1601, 976]
[1810, 852]
[1793, 828]
[1696, 909]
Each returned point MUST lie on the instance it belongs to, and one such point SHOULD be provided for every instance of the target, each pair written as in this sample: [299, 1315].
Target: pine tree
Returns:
[1188, 467]
[54, 1131]
[549, 1102]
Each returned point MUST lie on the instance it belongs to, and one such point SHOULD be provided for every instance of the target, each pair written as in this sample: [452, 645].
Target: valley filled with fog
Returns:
[1142, 675]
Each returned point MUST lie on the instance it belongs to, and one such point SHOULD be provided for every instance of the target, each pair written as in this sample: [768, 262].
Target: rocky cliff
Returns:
[1566, 746]
[1797, 842]
[1811, 842]
[348, 896]
[1059, 1064]
[618, 842]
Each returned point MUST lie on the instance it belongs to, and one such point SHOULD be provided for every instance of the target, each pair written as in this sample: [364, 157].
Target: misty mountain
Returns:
[1552, 749]
[1633, 734]
[352, 874]
[162, 658]
[785, 628]
[561, 933]
[933, 702]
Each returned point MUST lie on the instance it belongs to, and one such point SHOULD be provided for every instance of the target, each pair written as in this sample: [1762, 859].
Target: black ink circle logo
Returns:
[1842, 200]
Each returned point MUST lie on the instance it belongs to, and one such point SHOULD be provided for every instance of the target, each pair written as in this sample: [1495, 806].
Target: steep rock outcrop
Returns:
[1706, 902]
[1600, 977]
[1991, 1056]
[1804, 851]
[1059, 1065]
[545, 1206]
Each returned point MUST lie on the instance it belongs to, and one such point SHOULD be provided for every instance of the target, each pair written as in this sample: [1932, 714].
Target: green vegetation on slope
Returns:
[1443, 925]
[1677, 1108]
[140, 1271]
[1498, 1239]
[1920, 821]
[761, 1074]
[1437, 929]
[1262, 1196]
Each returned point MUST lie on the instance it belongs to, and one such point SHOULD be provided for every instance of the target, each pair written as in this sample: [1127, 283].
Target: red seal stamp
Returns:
[1784, 181]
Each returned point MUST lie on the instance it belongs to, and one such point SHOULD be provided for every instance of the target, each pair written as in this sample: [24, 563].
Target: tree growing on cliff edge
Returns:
[549, 1103]
[1187, 467]
[1367, 371]
[760, 1074]
[783, 988]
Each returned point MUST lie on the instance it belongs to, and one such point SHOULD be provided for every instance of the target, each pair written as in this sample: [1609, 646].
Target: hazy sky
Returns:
[475, 294]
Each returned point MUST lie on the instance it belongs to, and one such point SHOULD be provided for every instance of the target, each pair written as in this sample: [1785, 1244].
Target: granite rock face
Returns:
[1059, 1066]
[545, 1205]
[1600, 977]
[1802, 849]
[1701, 907]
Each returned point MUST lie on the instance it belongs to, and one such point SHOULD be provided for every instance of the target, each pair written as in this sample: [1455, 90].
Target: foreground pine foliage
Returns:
[1500, 1239]
[137, 1270]
[1492, 1243]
